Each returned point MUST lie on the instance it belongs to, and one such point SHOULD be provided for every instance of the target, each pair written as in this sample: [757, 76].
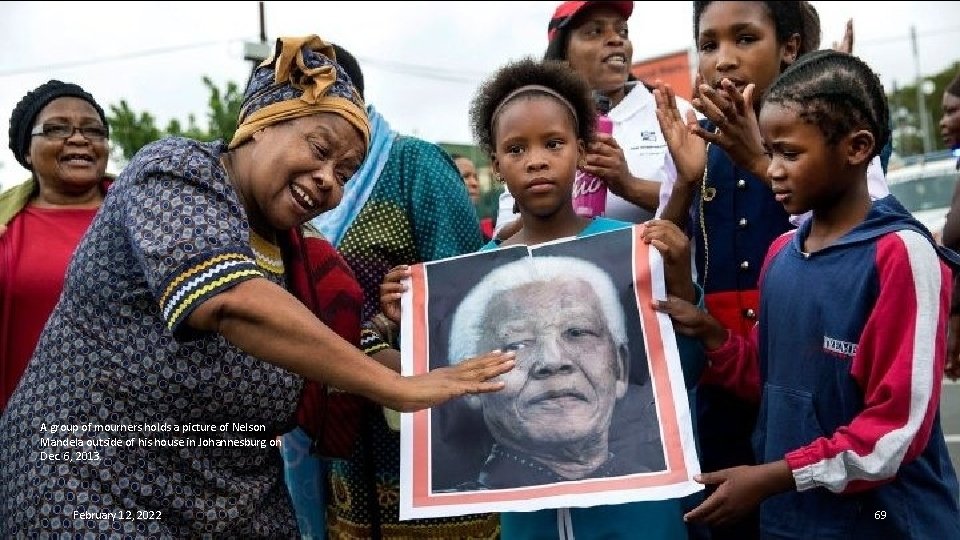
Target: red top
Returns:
[34, 253]
[486, 227]
[324, 282]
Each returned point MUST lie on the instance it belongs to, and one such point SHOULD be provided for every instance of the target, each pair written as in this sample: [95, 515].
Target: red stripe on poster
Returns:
[658, 362]
[421, 419]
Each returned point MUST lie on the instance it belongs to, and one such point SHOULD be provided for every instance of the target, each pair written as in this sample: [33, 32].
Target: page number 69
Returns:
[880, 514]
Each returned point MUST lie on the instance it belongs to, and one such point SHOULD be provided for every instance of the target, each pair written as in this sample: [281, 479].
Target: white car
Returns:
[925, 190]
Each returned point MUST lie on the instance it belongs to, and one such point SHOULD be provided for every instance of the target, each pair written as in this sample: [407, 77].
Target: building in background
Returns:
[676, 69]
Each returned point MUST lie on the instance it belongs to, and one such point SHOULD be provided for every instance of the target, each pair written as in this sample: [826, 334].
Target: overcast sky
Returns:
[422, 62]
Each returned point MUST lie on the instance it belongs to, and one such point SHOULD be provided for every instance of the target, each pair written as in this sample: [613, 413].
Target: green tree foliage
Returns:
[224, 109]
[908, 139]
[130, 131]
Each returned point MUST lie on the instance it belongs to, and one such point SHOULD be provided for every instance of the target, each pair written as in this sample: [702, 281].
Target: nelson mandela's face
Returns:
[565, 384]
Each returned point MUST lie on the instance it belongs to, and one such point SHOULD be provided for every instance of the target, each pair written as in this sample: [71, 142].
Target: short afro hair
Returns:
[515, 75]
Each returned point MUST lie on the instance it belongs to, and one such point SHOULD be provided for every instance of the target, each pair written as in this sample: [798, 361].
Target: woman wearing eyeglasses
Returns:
[59, 133]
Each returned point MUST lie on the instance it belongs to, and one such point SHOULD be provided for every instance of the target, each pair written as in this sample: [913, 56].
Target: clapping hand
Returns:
[738, 131]
[845, 45]
[688, 151]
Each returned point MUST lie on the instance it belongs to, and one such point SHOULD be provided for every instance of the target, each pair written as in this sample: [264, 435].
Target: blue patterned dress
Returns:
[170, 234]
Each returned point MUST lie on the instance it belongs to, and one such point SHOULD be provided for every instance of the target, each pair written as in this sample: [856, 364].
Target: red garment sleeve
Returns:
[736, 366]
[899, 365]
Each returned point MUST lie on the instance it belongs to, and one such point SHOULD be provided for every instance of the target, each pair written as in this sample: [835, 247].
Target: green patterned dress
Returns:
[418, 211]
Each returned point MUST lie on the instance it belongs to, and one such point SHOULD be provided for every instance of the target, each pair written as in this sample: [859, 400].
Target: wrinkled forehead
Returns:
[337, 133]
[541, 298]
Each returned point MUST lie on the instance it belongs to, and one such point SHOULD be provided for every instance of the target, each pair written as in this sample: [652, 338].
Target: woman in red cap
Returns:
[593, 39]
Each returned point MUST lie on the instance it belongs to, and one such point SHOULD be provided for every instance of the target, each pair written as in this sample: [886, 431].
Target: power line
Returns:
[416, 70]
[428, 72]
[906, 37]
[114, 58]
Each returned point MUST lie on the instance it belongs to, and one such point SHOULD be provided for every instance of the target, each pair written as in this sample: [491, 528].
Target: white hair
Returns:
[465, 330]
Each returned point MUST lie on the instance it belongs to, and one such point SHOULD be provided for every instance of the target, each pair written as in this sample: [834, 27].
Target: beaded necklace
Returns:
[707, 194]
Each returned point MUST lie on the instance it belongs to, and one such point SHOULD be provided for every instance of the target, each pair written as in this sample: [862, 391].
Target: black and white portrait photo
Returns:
[580, 405]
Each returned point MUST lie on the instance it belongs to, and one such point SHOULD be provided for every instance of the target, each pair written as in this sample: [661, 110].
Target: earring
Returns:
[500, 178]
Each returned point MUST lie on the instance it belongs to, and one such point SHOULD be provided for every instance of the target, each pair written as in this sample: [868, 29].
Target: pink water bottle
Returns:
[590, 192]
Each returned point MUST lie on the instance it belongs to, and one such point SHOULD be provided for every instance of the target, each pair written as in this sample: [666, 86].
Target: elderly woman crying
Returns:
[189, 302]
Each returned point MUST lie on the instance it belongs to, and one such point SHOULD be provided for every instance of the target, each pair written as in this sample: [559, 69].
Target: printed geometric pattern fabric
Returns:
[170, 234]
[263, 89]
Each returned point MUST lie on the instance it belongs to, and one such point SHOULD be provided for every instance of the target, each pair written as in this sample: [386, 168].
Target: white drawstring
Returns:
[564, 524]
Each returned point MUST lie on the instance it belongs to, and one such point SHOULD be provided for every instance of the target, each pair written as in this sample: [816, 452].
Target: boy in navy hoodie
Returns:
[847, 355]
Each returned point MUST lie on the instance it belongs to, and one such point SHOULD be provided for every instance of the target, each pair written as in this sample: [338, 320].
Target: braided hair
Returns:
[838, 93]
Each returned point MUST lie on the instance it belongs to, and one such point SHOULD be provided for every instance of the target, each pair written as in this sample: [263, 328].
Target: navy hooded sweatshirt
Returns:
[847, 360]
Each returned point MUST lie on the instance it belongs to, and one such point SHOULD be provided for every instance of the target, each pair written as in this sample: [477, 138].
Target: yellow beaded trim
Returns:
[267, 254]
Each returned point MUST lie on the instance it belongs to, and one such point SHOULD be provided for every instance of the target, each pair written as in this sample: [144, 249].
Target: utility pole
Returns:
[896, 117]
[263, 24]
[256, 52]
[921, 98]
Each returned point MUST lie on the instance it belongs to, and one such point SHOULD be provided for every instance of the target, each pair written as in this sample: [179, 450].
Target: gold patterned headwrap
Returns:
[302, 78]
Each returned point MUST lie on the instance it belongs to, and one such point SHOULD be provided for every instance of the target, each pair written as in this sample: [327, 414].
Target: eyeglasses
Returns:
[64, 131]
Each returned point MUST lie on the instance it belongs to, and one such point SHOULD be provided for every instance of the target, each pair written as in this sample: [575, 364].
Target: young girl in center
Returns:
[534, 119]
[848, 352]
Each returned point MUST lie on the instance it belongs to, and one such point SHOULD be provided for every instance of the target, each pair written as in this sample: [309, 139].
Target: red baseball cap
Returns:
[568, 10]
